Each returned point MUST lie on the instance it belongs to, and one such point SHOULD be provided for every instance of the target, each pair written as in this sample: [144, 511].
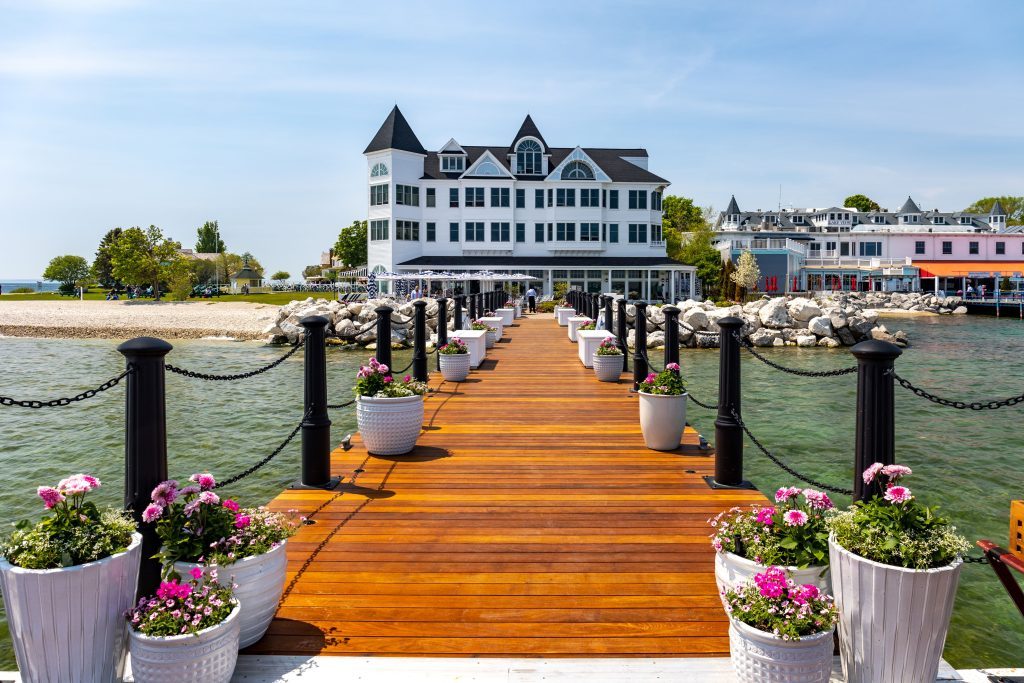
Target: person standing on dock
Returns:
[531, 299]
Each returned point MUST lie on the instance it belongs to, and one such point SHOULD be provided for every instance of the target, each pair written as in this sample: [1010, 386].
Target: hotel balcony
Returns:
[576, 246]
[768, 245]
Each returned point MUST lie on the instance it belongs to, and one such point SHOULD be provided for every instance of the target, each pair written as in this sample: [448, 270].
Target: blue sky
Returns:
[117, 112]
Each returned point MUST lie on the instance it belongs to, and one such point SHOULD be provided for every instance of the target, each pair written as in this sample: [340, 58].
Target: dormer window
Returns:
[798, 219]
[878, 220]
[379, 170]
[453, 163]
[939, 220]
[528, 155]
[577, 170]
[965, 220]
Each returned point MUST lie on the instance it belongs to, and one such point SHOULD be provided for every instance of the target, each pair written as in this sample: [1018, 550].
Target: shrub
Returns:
[546, 307]
[665, 383]
[453, 347]
[608, 348]
[375, 380]
[589, 325]
[180, 287]
[22, 290]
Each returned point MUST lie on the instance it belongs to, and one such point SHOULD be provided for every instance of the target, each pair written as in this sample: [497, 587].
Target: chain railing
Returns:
[261, 463]
[793, 371]
[706, 406]
[789, 470]
[959, 405]
[58, 402]
[243, 375]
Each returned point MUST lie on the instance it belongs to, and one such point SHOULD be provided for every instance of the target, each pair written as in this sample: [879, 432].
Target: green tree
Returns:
[281, 275]
[680, 216]
[747, 273]
[861, 203]
[1013, 206]
[145, 257]
[102, 268]
[351, 245]
[209, 241]
[233, 263]
[697, 249]
[312, 271]
[68, 270]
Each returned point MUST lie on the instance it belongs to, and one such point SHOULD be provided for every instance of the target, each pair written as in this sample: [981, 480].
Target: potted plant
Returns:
[454, 360]
[198, 528]
[492, 332]
[66, 581]
[791, 534]
[185, 632]
[663, 409]
[780, 630]
[389, 414]
[895, 567]
[589, 325]
[608, 361]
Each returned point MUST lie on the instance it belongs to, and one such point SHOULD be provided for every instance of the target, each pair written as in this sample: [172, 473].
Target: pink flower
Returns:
[205, 480]
[818, 500]
[196, 572]
[74, 485]
[771, 582]
[50, 496]
[872, 472]
[765, 516]
[388, 380]
[191, 507]
[786, 493]
[716, 544]
[231, 505]
[152, 513]
[165, 492]
[894, 472]
[802, 594]
[651, 377]
[406, 379]
[209, 498]
[674, 367]
[382, 369]
[242, 521]
[91, 480]
[898, 494]
[188, 490]
[795, 517]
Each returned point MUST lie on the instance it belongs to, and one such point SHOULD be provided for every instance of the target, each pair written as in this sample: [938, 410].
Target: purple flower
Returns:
[165, 492]
[209, 498]
[382, 369]
[152, 513]
[205, 480]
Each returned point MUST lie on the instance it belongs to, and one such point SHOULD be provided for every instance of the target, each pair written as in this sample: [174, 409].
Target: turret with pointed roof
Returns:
[395, 133]
[528, 129]
[733, 207]
[909, 207]
[997, 209]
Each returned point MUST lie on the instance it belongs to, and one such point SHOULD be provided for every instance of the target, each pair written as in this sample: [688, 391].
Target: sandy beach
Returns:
[126, 319]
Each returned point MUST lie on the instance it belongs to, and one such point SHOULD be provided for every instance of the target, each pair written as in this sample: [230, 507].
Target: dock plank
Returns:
[530, 521]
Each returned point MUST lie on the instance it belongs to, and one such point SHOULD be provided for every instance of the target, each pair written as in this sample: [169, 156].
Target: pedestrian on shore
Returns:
[415, 293]
[531, 299]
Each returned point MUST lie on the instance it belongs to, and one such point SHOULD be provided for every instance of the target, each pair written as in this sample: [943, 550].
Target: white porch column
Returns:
[549, 288]
[672, 275]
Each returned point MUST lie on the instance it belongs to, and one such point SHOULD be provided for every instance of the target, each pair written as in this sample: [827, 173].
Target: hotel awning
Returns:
[969, 268]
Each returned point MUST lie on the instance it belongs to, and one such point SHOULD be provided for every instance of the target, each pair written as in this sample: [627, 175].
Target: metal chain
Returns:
[982, 559]
[959, 405]
[784, 466]
[650, 365]
[337, 406]
[245, 473]
[701, 403]
[245, 375]
[803, 373]
[53, 403]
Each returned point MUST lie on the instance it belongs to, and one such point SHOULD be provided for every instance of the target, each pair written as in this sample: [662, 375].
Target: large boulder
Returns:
[755, 306]
[846, 336]
[837, 318]
[765, 337]
[829, 342]
[345, 328]
[655, 315]
[775, 315]
[802, 309]
[805, 340]
[697, 318]
[655, 339]
[960, 310]
[820, 326]
[871, 315]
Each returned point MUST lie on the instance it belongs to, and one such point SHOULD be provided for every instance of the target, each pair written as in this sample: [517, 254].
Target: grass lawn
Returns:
[274, 298]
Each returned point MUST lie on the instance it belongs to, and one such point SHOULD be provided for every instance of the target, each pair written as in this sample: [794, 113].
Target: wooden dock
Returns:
[530, 521]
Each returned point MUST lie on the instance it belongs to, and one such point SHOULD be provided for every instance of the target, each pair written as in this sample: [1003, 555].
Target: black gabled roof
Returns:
[395, 133]
[909, 207]
[610, 160]
[528, 129]
[625, 262]
[997, 209]
[733, 207]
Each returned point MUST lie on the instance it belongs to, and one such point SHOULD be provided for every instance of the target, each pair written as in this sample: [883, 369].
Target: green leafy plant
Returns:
[75, 533]
[546, 307]
[608, 347]
[589, 325]
[454, 346]
[792, 533]
[22, 290]
[668, 382]
[772, 603]
[477, 325]
[894, 528]
[375, 380]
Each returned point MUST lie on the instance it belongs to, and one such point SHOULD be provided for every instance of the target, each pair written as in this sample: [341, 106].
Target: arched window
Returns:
[577, 170]
[528, 157]
[379, 170]
[486, 168]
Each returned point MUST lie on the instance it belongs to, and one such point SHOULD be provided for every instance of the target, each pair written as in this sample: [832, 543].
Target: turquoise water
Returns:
[970, 463]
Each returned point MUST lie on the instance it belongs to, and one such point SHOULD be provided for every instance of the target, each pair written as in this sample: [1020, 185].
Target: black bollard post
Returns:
[608, 313]
[473, 315]
[442, 327]
[595, 306]
[640, 345]
[728, 433]
[316, 426]
[457, 313]
[671, 334]
[876, 440]
[384, 335]
[419, 340]
[620, 333]
[145, 443]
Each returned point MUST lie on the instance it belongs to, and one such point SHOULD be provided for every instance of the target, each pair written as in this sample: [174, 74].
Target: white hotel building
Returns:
[583, 215]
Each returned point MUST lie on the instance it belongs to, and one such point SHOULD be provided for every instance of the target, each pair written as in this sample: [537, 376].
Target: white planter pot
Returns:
[389, 426]
[492, 338]
[260, 581]
[761, 657]
[454, 366]
[67, 624]
[731, 570]
[608, 368]
[207, 657]
[892, 621]
[662, 420]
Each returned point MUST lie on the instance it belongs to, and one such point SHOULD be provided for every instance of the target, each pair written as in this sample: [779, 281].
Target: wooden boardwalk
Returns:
[529, 521]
